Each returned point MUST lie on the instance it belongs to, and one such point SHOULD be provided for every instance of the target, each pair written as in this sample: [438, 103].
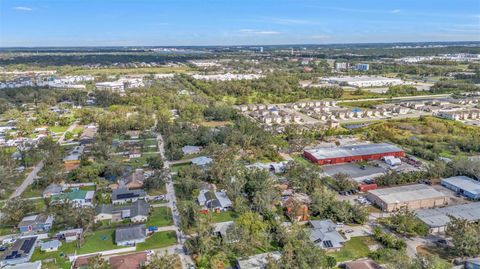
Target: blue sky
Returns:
[234, 22]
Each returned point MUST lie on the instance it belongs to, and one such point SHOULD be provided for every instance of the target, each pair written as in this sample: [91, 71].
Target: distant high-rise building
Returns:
[261, 49]
[341, 66]
[362, 67]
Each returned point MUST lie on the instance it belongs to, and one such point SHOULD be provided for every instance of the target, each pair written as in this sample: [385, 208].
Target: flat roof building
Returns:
[463, 185]
[413, 197]
[352, 153]
[437, 219]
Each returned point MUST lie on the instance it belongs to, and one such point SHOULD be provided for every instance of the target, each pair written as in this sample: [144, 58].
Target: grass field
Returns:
[99, 241]
[57, 129]
[223, 216]
[355, 248]
[59, 256]
[160, 216]
[31, 192]
[158, 240]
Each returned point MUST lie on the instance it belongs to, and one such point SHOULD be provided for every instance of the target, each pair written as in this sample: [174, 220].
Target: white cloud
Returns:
[23, 8]
[258, 32]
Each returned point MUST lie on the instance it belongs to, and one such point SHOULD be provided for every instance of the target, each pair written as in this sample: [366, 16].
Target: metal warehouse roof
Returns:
[438, 217]
[464, 183]
[407, 193]
[352, 150]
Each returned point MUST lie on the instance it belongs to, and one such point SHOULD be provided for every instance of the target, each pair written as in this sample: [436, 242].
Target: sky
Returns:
[28, 23]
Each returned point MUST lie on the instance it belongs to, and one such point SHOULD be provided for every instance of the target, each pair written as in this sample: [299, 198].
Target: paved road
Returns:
[38, 167]
[29, 180]
[172, 202]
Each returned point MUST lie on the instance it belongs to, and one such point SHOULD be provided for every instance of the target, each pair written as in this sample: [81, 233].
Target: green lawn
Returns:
[160, 216]
[58, 129]
[158, 240]
[355, 248]
[88, 188]
[31, 192]
[95, 242]
[178, 167]
[59, 256]
[7, 230]
[223, 216]
[159, 191]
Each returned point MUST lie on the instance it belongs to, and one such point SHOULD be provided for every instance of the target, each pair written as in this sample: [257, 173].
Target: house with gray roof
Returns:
[137, 211]
[202, 161]
[52, 189]
[324, 234]
[124, 195]
[214, 200]
[50, 246]
[187, 150]
[36, 223]
[259, 261]
[20, 252]
[130, 236]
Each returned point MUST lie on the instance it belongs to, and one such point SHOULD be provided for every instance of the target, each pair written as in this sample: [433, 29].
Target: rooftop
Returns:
[123, 193]
[130, 233]
[438, 217]
[407, 193]
[464, 183]
[352, 150]
[20, 249]
[257, 261]
[128, 261]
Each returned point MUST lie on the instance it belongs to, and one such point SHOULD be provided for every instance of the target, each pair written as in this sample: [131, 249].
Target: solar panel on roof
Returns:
[127, 195]
[27, 245]
[327, 243]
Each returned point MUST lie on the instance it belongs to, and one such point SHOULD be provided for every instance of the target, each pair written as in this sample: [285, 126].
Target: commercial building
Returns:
[413, 197]
[362, 67]
[365, 81]
[463, 185]
[437, 219]
[352, 153]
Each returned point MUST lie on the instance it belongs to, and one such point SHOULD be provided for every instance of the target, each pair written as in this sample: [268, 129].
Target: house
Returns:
[50, 246]
[130, 236]
[52, 189]
[124, 195]
[27, 265]
[214, 200]
[296, 207]
[473, 263]
[20, 252]
[138, 211]
[463, 185]
[78, 197]
[133, 134]
[128, 261]
[221, 229]
[36, 223]
[188, 150]
[202, 161]
[259, 261]
[134, 180]
[362, 264]
[134, 153]
[72, 160]
[70, 235]
[324, 234]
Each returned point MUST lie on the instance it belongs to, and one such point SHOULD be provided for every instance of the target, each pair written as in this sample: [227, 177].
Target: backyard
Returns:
[160, 216]
[158, 240]
[356, 247]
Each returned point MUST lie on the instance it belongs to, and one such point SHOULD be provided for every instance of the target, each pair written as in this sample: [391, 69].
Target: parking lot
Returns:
[355, 171]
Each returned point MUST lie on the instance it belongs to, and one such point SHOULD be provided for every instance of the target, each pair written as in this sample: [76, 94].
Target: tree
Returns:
[14, 210]
[97, 262]
[155, 162]
[300, 252]
[406, 222]
[465, 237]
[251, 232]
[165, 261]
[306, 178]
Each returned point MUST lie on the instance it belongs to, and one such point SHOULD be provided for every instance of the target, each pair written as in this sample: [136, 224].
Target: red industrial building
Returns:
[352, 153]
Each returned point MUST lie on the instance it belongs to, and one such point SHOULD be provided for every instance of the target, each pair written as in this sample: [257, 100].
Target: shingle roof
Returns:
[130, 233]
[325, 235]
